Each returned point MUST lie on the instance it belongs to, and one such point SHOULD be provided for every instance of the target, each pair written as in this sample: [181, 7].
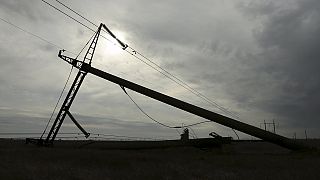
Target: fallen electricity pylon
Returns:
[85, 67]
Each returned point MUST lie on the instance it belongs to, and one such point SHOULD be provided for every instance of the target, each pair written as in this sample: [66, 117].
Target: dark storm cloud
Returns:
[290, 39]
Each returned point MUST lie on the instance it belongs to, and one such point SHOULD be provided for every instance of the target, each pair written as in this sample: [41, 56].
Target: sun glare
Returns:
[112, 47]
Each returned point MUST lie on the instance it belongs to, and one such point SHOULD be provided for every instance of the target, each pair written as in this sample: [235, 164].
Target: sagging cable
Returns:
[172, 127]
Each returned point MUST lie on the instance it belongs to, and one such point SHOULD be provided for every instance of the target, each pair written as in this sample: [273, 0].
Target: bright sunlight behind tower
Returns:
[111, 46]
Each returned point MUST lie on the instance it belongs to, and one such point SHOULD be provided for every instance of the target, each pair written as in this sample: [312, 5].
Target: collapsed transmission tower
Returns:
[84, 67]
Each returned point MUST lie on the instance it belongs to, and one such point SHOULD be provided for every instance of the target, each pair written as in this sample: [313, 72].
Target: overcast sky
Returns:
[258, 59]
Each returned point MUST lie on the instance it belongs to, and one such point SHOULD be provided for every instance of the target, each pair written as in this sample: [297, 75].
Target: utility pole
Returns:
[274, 126]
[305, 132]
[267, 125]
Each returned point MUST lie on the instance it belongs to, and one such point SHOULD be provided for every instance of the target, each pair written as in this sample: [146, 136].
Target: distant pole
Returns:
[265, 125]
[305, 132]
[274, 127]
[294, 136]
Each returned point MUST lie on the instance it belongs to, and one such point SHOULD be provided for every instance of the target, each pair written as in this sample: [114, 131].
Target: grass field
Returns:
[238, 160]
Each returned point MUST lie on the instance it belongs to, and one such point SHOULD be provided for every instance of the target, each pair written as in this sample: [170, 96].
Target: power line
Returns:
[18, 133]
[44, 132]
[77, 13]
[162, 124]
[194, 134]
[67, 15]
[30, 33]
[33, 34]
[122, 136]
[235, 133]
[165, 72]
[74, 133]
[80, 16]
[64, 87]
[181, 83]
[146, 114]
[64, 13]
[185, 85]
[126, 51]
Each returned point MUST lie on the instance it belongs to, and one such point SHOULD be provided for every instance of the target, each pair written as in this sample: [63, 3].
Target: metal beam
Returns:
[220, 119]
[78, 125]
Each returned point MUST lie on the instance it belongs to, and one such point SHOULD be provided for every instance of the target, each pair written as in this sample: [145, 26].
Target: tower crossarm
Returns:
[74, 62]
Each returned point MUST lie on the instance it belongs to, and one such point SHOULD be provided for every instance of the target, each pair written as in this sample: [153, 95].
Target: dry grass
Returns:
[236, 161]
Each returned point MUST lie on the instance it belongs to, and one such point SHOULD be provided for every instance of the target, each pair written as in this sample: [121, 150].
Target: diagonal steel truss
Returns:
[65, 108]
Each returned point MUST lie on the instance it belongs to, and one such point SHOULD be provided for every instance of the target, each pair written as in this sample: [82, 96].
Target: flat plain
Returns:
[83, 160]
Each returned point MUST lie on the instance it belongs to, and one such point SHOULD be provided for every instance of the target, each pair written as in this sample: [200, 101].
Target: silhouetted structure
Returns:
[85, 67]
[185, 135]
[214, 135]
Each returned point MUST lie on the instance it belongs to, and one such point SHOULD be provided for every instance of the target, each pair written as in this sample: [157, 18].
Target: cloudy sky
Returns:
[257, 59]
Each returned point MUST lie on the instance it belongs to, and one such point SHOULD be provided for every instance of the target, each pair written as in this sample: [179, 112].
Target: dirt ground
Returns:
[238, 160]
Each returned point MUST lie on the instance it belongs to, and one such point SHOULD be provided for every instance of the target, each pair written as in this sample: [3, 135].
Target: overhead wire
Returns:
[61, 94]
[146, 114]
[68, 78]
[192, 91]
[54, 7]
[165, 72]
[26, 133]
[67, 15]
[85, 46]
[162, 124]
[77, 135]
[34, 35]
[65, 87]
[55, 107]
[183, 84]
[175, 79]
[82, 18]
[122, 136]
[194, 134]
[236, 133]
[128, 52]
[77, 13]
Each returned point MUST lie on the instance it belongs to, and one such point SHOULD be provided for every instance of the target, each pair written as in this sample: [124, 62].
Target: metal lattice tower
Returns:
[65, 108]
